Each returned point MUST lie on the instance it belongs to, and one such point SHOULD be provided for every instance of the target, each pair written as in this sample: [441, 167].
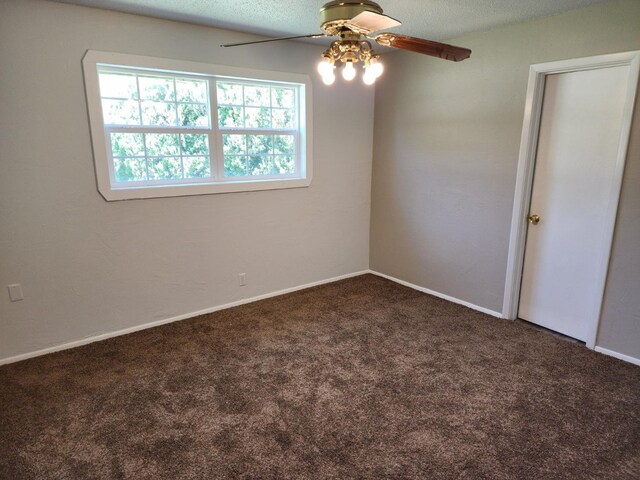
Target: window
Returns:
[167, 128]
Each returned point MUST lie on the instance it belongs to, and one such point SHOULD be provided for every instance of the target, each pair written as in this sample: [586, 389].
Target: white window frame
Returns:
[111, 190]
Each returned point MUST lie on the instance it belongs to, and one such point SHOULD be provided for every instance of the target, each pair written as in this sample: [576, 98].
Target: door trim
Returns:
[526, 168]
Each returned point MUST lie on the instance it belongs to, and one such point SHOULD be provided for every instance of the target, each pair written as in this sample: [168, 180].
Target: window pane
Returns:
[118, 85]
[284, 164]
[120, 112]
[129, 169]
[193, 115]
[235, 165]
[157, 88]
[257, 117]
[284, 144]
[233, 144]
[229, 94]
[196, 167]
[284, 118]
[192, 90]
[196, 144]
[283, 97]
[256, 96]
[230, 117]
[158, 113]
[259, 144]
[127, 144]
[262, 165]
[165, 168]
[161, 144]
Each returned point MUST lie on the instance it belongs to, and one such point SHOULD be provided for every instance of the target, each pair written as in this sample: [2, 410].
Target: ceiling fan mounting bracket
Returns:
[336, 16]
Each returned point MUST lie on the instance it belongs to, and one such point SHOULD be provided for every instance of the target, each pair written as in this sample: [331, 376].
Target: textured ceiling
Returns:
[432, 19]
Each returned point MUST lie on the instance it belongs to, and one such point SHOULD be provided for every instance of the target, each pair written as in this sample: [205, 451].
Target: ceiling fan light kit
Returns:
[348, 51]
[353, 19]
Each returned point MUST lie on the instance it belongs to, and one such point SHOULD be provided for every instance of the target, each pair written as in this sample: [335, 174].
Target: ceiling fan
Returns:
[353, 19]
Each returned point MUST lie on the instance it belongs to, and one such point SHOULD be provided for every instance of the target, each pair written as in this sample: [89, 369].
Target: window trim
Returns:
[93, 59]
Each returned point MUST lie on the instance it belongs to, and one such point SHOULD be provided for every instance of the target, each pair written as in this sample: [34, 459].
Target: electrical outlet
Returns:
[242, 277]
[15, 292]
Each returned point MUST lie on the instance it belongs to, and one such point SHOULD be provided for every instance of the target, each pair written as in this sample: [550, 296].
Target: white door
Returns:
[579, 136]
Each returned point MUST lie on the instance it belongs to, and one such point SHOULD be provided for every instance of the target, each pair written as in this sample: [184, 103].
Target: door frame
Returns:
[526, 170]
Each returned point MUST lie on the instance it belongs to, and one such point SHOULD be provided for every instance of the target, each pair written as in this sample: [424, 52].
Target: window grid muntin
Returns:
[155, 130]
[246, 134]
[137, 97]
[271, 85]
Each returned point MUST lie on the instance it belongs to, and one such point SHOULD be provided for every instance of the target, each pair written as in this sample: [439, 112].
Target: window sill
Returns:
[111, 194]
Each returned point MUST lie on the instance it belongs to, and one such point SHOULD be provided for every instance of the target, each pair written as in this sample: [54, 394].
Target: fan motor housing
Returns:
[335, 15]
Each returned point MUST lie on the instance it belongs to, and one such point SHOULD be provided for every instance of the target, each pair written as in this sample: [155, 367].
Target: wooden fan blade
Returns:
[426, 47]
[312, 35]
[367, 22]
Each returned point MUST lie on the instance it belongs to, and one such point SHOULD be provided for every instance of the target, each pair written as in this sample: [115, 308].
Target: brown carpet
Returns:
[361, 378]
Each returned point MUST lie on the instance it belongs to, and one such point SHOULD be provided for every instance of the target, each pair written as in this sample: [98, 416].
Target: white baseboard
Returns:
[144, 326]
[117, 333]
[619, 356]
[438, 294]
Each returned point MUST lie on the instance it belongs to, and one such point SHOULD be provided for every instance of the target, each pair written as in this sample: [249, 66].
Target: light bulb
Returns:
[329, 78]
[368, 78]
[349, 71]
[376, 69]
[325, 66]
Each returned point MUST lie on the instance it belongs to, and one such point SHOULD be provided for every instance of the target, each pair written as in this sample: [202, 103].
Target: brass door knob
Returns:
[534, 219]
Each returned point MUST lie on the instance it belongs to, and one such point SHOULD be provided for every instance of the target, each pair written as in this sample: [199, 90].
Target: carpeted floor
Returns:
[361, 378]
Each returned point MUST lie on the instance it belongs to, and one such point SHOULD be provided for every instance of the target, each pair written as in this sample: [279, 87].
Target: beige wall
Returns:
[90, 267]
[446, 147]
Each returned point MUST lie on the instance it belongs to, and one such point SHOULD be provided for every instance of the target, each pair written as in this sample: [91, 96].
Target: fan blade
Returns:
[312, 35]
[367, 22]
[426, 47]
